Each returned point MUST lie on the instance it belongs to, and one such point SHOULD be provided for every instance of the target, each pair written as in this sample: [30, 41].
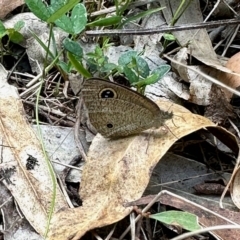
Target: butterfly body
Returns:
[116, 111]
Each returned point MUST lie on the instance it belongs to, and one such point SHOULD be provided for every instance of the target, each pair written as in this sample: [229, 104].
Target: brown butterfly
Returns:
[116, 111]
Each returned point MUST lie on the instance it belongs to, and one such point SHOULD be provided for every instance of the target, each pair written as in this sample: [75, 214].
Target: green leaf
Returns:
[79, 18]
[126, 57]
[120, 7]
[79, 67]
[142, 67]
[65, 24]
[91, 55]
[106, 43]
[161, 71]
[14, 36]
[101, 60]
[130, 74]
[147, 81]
[185, 220]
[61, 9]
[155, 76]
[92, 66]
[103, 22]
[73, 47]
[108, 67]
[19, 25]
[3, 30]
[39, 9]
[98, 51]
[141, 15]
[64, 66]
[169, 37]
[76, 23]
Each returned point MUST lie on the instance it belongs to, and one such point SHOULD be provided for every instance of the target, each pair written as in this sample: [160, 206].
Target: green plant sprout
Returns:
[14, 36]
[74, 23]
[130, 64]
[13, 33]
[137, 71]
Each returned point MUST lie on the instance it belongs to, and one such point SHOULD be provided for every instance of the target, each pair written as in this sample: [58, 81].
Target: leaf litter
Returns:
[116, 172]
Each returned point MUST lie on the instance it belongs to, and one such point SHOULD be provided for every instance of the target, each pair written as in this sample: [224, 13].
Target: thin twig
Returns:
[204, 230]
[76, 129]
[114, 32]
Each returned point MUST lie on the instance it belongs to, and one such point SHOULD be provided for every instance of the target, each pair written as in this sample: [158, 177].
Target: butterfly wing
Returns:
[116, 111]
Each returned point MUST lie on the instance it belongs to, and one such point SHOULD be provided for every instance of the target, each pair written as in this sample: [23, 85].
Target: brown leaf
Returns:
[219, 109]
[118, 171]
[198, 41]
[235, 188]
[31, 188]
[228, 78]
[7, 6]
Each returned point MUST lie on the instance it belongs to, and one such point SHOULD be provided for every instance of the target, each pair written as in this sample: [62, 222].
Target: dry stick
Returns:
[204, 230]
[66, 165]
[187, 178]
[65, 194]
[140, 216]
[109, 236]
[29, 90]
[213, 9]
[62, 121]
[14, 67]
[114, 32]
[113, 9]
[77, 127]
[1, 206]
[133, 225]
[230, 181]
[235, 127]
[54, 111]
[235, 13]
[24, 74]
[230, 41]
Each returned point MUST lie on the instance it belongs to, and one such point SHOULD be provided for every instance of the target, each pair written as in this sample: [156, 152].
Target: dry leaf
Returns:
[32, 189]
[7, 6]
[181, 56]
[235, 188]
[181, 174]
[198, 41]
[118, 171]
[230, 79]
[220, 109]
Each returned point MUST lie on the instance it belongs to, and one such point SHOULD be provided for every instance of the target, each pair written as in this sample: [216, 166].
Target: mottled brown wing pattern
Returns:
[116, 111]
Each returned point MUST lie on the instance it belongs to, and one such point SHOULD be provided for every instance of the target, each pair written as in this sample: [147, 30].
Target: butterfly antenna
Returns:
[170, 131]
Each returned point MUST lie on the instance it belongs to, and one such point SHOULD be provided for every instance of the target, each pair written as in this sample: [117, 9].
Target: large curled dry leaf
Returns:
[118, 171]
[31, 188]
